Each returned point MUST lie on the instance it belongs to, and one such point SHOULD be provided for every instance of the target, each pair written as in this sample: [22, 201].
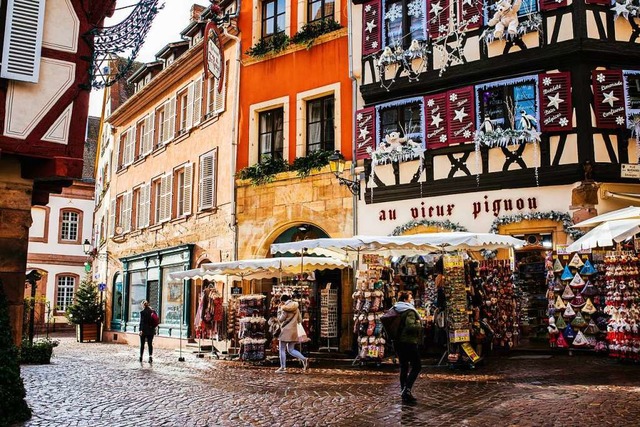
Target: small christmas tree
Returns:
[86, 308]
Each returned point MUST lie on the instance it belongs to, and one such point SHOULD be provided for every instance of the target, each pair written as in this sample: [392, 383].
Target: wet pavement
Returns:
[99, 384]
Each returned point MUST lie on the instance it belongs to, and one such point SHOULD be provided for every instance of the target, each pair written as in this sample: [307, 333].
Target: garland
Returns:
[504, 137]
[401, 153]
[531, 24]
[557, 216]
[452, 226]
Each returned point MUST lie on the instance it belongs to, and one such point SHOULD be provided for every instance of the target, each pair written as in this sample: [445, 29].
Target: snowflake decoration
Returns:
[367, 8]
[443, 138]
[394, 13]
[546, 81]
[600, 78]
[442, 28]
[374, 45]
[430, 103]
[563, 121]
[453, 97]
[359, 116]
[467, 133]
[474, 19]
[619, 120]
[415, 8]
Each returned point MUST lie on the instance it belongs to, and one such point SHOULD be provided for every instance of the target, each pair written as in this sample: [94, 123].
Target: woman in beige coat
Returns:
[289, 316]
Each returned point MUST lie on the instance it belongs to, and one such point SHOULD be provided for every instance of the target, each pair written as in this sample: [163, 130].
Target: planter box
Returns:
[87, 332]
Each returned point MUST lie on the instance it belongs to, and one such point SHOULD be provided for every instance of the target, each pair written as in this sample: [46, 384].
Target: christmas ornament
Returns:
[557, 266]
[589, 308]
[577, 282]
[587, 269]
[576, 262]
[566, 273]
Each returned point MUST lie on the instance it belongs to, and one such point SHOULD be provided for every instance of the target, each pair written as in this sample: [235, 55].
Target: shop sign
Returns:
[371, 259]
[453, 261]
[470, 352]
[236, 290]
[630, 170]
[213, 54]
[459, 335]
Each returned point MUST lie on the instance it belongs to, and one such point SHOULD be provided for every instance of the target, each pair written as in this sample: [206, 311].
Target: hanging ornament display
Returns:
[577, 282]
[587, 269]
[568, 294]
[625, 9]
[556, 110]
[505, 24]
[557, 266]
[589, 308]
[440, 225]
[559, 304]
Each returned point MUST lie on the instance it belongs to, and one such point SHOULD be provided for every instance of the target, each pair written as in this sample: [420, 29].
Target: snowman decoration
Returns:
[505, 18]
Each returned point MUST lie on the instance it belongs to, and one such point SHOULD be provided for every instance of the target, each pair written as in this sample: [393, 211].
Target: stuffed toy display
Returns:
[505, 18]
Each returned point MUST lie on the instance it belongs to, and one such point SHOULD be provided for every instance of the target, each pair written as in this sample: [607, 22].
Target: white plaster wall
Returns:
[52, 271]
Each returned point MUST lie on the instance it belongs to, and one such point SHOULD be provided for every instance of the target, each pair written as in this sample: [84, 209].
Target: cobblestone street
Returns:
[95, 384]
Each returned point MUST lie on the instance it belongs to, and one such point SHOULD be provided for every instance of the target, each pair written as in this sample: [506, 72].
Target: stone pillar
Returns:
[15, 220]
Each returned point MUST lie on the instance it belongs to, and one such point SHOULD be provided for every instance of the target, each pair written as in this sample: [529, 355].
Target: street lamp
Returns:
[336, 164]
[87, 247]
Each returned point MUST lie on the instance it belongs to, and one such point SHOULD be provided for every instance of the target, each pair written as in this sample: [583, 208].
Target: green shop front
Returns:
[147, 277]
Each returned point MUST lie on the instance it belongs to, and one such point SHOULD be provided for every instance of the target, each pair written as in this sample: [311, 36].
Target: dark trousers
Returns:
[149, 340]
[408, 354]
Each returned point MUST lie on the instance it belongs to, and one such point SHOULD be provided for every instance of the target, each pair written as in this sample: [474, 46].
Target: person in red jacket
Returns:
[147, 330]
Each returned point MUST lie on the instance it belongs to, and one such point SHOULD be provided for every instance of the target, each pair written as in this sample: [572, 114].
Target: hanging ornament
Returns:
[591, 328]
[557, 266]
[394, 13]
[559, 304]
[560, 323]
[566, 273]
[576, 262]
[561, 342]
[587, 269]
[568, 293]
[578, 321]
[569, 333]
[580, 340]
[589, 290]
[577, 282]
[568, 312]
[415, 8]
[589, 308]
[578, 302]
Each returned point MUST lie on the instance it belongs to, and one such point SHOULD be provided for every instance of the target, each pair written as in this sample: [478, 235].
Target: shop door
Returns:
[531, 281]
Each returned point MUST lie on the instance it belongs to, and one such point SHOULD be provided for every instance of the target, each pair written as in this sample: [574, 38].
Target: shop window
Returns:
[509, 106]
[65, 291]
[317, 10]
[403, 23]
[70, 226]
[273, 17]
[137, 294]
[320, 124]
[271, 135]
[118, 302]
[171, 299]
[405, 119]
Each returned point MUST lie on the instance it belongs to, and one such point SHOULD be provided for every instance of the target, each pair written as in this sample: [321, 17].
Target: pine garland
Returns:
[558, 216]
[448, 225]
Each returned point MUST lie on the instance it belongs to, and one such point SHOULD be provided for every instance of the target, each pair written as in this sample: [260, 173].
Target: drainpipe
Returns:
[354, 88]
[234, 139]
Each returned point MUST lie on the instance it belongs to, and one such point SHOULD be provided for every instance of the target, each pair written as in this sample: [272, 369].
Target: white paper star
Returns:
[443, 138]
[460, 115]
[608, 97]
[619, 120]
[374, 44]
[436, 8]
[371, 25]
[364, 132]
[601, 78]
[436, 120]
[475, 18]
[467, 2]
[442, 28]
[430, 103]
[563, 121]
[546, 81]
[555, 100]
[453, 97]
[620, 9]
[367, 8]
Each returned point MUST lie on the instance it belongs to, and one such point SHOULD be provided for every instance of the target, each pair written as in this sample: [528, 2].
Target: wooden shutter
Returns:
[608, 85]
[555, 89]
[112, 217]
[188, 188]
[435, 117]
[147, 144]
[127, 201]
[197, 101]
[461, 115]
[207, 179]
[552, 4]
[365, 132]
[371, 27]
[190, 106]
[438, 12]
[22, 40]
[470, 9]
[166, 194]
[605, 2]
[132, 144]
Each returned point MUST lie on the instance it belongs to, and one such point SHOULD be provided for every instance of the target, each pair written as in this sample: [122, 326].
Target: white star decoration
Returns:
[436, 8]
[367, 8]
[608, 97]
[460, 115]
[619, 120]
[436, 120]
[371, 25]
[453, 97]
[430, 103]
[601, 78]
[364, 132]
[359, 116]
[466, 134]
[563, 121]
[443, 138]
[555, 100]
[546, 81]
[620, 9]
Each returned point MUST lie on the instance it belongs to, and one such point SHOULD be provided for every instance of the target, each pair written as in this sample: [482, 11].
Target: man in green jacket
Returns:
[406, 345]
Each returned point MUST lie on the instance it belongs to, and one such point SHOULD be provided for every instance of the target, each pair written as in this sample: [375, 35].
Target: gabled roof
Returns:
[143, 70]
[171, 47]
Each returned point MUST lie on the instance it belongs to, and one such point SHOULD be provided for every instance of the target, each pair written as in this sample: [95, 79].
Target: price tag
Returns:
[470, 352]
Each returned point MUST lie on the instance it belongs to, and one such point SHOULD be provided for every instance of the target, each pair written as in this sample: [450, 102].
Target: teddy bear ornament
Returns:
[505, 18]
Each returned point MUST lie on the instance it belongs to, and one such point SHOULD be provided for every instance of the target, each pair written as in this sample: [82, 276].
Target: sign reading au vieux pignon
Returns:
[474, 211]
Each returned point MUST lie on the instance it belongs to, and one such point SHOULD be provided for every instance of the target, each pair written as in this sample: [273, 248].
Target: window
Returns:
[270, 133]
[135, 206]
[182, 179]
[142, 207]
[155, 200]
[273, 17]
[215, 99]
[65, 290]
[141, 132]
[70, 226]
[401, 26]
[320, 125]
[160, 125]
[39, 231]
[22, 40]
[207, 181]
[318, 10]
[184, 106]
[121, 150]
[404, 119]
[504, 105]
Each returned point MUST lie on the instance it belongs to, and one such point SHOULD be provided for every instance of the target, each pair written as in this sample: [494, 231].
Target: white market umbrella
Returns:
[607, 234]
[630, 212]
[458, 240]
[272, 267]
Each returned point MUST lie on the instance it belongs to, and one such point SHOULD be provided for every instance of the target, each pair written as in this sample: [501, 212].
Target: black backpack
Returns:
[393, 322]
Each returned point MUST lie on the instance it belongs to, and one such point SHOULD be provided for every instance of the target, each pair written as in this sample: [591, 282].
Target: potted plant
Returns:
[87, 311]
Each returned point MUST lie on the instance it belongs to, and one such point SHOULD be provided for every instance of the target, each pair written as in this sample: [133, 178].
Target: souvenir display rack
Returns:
[251, 326]
[328, 316]
[300, 292]
[457, 307]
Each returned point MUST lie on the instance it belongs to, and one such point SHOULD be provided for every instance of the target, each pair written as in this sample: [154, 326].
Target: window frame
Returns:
[79, 230]
[45, 231]
[324, 144]
[507, 91]
[323, 16]
[406, 24]
[400, 109]
[276, 14]
[273, 131]
[76, 281]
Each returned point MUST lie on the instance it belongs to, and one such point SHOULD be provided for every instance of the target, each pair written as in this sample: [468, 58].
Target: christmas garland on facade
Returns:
[557, 216]
[448, 225]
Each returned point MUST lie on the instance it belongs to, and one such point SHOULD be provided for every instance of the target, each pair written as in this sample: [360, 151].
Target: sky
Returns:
[166, 27]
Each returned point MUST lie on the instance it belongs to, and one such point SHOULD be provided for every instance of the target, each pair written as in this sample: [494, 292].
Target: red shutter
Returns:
[552, 4]
[608, 86]
[555, 89]
[460, 115]
[605, 2]
[437, 15]
[365, 132]
[371, 27]
[436, 124]
[469, 9]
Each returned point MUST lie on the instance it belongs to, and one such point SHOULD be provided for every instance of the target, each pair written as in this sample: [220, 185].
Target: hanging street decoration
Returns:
[556, 110]
[626, 9]
[563, 217]
[441, 225]
[123, 39]
[608, 98]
